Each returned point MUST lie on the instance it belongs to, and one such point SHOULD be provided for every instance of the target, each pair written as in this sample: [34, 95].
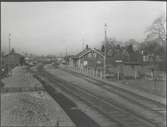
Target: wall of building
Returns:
[90, 60]
[12, 60]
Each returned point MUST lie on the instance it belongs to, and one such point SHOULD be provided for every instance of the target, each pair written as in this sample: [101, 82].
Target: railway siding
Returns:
[130, 96]
[76, 115]
[151, 116]
[111, 84]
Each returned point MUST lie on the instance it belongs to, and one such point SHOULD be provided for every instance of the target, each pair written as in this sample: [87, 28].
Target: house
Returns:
[118, 59]
[124, 60]
[89, 58]
[13, 59]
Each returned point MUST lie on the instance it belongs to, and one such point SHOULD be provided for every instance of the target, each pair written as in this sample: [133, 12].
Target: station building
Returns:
[89, 58]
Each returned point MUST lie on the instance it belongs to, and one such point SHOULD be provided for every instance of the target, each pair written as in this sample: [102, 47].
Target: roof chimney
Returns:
[12, 50]
[87, 47]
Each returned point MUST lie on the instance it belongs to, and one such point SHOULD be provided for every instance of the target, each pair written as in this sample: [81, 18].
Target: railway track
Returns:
[20, 89]
[109, 109]
[77, 116]
[146, 103]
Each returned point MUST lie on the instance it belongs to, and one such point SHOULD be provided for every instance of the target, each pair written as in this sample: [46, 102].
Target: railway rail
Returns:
[77, 116]
[115, 113]
[132, 97]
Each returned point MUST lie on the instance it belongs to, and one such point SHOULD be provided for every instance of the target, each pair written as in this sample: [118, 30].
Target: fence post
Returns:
[101, 75]
[94, 74]
[118, 75]
[164, 76]
[145, 76]
[57, 123]
[90, 72]
[152, 76]
[135, 74]
[98, 74]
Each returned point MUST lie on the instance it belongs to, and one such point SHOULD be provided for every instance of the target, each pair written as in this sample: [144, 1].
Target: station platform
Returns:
[30, 108]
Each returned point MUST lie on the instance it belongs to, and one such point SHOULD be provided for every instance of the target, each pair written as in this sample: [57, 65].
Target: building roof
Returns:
[14, 53]
[99, 52]
[83, 52]
[88, 50]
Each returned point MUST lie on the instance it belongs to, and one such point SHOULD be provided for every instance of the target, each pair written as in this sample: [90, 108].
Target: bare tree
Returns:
[157, 30]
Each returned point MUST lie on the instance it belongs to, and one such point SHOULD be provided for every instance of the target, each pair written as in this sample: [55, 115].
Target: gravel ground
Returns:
[20, 77]
[30, 108]
[33, 109]
[149, 86]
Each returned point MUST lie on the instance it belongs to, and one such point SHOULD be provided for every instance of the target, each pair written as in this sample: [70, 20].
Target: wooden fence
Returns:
[148, 75]
[89, 72]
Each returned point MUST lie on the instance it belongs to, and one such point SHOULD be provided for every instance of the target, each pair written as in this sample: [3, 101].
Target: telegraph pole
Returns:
[105, 47]
[0, 58]
[9, 41]
[9, 51]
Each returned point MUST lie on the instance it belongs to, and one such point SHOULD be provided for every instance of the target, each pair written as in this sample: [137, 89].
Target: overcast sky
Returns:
[51, 27]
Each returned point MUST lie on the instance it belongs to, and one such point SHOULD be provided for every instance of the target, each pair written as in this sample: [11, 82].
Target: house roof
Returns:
[99, 52]
[14, 53]
[86, 51]
[83, 52]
